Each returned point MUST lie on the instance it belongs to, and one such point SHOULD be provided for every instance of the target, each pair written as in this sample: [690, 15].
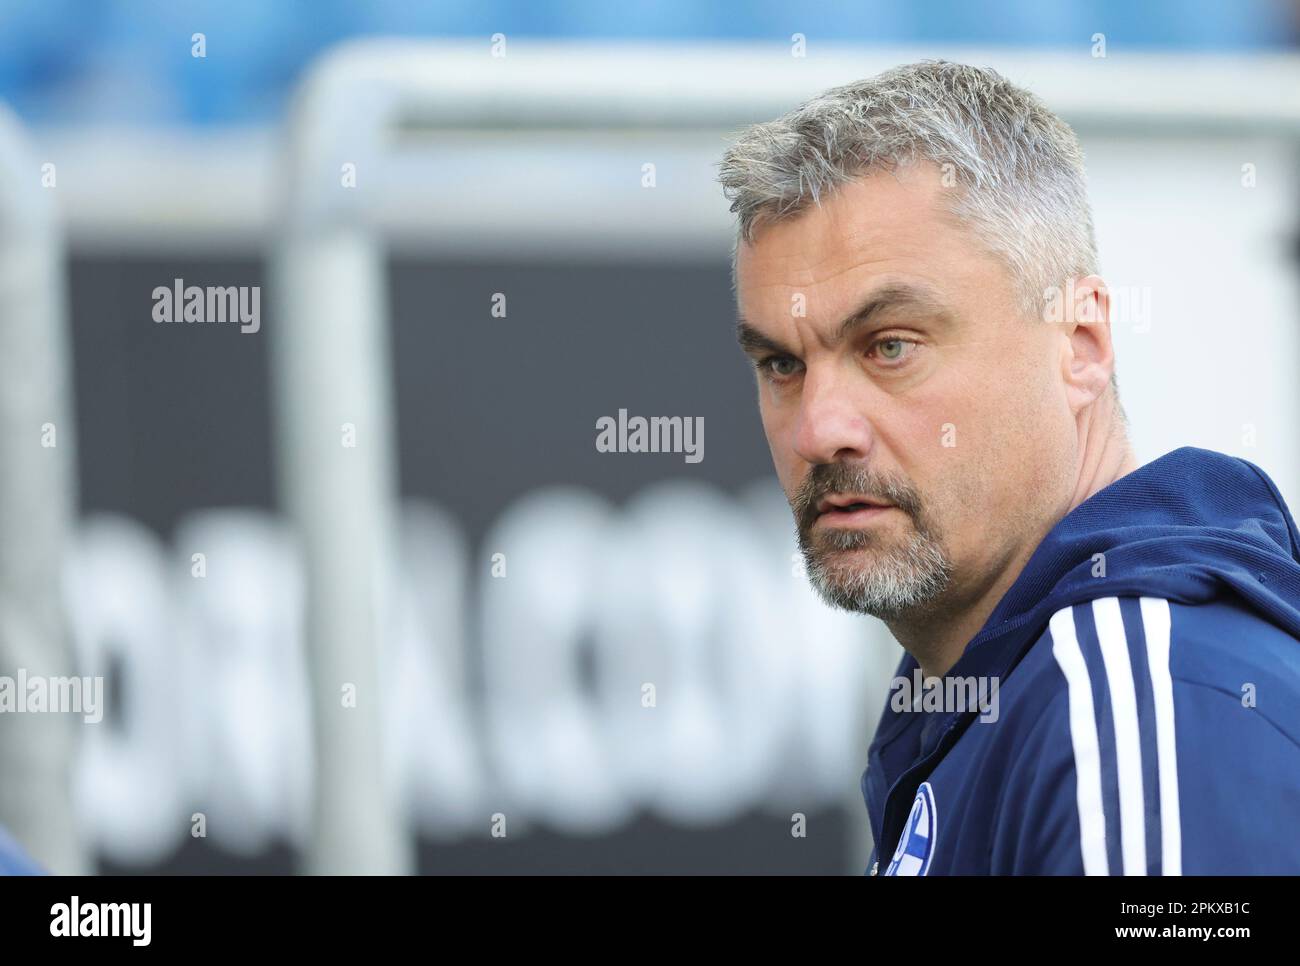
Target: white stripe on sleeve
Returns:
[1128, 742]
[1083, 737]
[1157, 622]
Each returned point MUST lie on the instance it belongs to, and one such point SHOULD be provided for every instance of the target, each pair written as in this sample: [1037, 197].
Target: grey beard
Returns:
[896, 582]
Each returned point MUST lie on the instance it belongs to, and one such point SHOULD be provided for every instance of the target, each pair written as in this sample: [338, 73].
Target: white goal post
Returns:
[37, 503]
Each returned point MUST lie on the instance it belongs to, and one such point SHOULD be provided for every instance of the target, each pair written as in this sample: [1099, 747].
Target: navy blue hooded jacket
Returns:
[1147, 716]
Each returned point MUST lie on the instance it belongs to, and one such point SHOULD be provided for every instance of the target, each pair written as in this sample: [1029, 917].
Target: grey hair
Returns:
[1016, 167]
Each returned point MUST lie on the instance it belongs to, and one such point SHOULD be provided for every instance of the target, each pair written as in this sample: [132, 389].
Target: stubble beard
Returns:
[871, 571]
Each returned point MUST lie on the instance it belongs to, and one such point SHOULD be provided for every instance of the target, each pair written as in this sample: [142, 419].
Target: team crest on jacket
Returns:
[916, 844]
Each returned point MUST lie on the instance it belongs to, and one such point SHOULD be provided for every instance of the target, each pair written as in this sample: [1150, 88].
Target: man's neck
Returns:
[938, 638]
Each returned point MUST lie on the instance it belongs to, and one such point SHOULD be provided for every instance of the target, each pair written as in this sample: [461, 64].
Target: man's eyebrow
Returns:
[898, 296]
[752, 341]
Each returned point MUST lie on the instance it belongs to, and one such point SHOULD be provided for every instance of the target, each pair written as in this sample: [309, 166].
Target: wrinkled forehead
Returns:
[886, 226]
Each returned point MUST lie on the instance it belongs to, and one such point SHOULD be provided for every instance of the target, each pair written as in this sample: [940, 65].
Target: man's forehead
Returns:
[884, 218]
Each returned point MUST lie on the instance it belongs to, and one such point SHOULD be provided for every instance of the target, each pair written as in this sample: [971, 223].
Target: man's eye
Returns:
[780, 367]
[893, 350]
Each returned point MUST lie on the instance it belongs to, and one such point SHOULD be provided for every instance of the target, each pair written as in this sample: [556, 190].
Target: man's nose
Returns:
[833, 425]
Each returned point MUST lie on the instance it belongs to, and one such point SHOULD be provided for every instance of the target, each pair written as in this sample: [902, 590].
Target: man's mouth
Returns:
[848, 503]
[840, 509]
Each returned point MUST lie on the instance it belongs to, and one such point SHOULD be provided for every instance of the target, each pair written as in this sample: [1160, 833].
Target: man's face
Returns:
[896, 368]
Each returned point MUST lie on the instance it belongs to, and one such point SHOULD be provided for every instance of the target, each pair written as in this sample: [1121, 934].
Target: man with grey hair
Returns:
[916, 278]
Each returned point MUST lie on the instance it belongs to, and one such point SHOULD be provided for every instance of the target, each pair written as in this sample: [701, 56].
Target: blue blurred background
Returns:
[82, 61]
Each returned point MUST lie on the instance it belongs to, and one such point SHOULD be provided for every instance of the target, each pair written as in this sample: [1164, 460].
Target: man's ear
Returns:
[1089, 356]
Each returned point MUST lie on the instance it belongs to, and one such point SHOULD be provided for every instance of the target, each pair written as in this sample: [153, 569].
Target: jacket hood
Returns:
[1191, 526]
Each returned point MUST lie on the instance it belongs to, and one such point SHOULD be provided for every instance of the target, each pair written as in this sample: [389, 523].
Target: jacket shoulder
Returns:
[1164, 741]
